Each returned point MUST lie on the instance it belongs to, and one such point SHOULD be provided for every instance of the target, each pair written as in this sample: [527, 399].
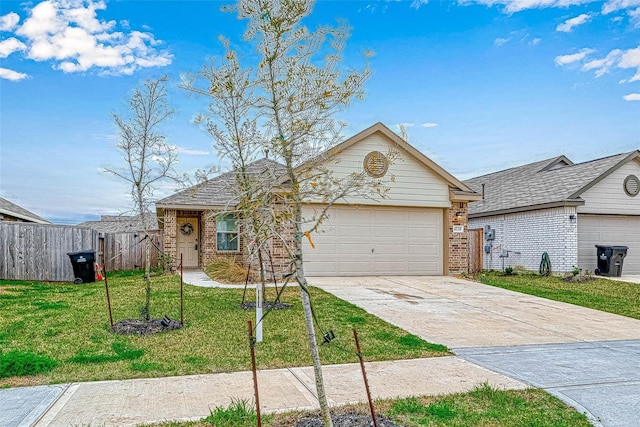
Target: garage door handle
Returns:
[371, 250]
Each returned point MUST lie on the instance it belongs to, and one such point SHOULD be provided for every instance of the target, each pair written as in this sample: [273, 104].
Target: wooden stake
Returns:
[366, 382]
[252, 345]
[106, 287]
[181, 294]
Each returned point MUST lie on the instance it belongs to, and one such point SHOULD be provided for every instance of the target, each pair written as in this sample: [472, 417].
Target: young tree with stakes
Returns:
[285, 106]
[148, 158]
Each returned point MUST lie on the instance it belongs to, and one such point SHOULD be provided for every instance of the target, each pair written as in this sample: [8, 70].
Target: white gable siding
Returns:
[531, 234]
[608, 196]
[414, 184]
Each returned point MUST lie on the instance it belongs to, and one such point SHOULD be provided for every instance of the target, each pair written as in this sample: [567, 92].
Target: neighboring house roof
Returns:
[11, 209]
[547, 183]
[218, 191]
[121, 223]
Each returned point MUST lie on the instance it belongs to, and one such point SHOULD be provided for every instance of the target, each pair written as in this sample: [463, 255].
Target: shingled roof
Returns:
[11, 209]
[218, 192]
[121, 223]
[547, 183]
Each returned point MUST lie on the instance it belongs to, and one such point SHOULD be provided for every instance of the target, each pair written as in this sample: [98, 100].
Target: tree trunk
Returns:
[313, 344]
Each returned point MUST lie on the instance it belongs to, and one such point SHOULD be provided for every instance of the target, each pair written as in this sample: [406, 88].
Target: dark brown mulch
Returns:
[347, 419]
[144, 327]
[266, 305]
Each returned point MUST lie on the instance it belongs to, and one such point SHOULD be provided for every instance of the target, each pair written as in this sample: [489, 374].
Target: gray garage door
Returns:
[609, 230]
[365, 241]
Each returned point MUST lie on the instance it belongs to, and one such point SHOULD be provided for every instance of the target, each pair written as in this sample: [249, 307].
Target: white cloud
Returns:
[417, 3]
[634, 17]
[190, 152]
[617, 58]
[69, 33]
[603, 65]
[513, 6]
[574, 57]
[631, 59]
[407, 125]
[12, 75]
[8, 46]
[500, 41]
[632, 97]
[9, 21]
[569, 24]
[429, 125]
[535, 41]
[616, 5]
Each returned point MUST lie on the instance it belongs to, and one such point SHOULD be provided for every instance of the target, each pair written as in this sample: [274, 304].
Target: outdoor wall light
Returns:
[572, 217]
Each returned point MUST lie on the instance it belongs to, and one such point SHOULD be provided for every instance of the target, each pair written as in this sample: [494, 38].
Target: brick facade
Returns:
[458, 251]
[170, 239]
[554, 231]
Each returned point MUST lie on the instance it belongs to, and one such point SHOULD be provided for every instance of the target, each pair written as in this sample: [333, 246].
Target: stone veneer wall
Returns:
[458, 259]
[532, 233]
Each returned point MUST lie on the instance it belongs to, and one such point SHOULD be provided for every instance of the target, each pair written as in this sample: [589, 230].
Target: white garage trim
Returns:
[618, 230]
[372, 240]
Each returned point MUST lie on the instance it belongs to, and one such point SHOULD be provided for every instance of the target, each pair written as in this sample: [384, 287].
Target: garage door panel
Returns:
[355, 267]
[377, 241]
[609, 230]
[354, 249]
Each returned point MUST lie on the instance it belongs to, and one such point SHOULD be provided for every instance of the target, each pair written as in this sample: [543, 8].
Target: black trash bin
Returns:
[610, 260]
[83, 263]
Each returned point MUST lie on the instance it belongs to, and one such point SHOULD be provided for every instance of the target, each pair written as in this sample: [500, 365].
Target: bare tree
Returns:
[285, 105]
[148, 158]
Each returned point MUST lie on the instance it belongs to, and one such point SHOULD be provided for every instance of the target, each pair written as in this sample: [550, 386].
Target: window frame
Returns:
[228, 233]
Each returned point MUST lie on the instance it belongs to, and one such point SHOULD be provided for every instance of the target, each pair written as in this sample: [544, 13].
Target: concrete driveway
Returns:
[587, 358]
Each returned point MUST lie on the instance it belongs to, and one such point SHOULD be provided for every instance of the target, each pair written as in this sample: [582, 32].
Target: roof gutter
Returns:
[529, 208]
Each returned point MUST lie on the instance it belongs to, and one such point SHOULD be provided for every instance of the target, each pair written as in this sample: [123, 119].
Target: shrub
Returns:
[227, 270]
[19, 363]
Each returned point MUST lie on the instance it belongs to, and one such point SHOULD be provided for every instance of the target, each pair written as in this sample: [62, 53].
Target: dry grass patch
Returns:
[228, 270]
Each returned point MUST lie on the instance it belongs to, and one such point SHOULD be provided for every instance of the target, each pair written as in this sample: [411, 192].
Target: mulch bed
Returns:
[347, 419]
[266, 305]
[144, 327]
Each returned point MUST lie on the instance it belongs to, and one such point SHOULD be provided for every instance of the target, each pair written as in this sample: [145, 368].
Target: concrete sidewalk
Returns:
[152, 400]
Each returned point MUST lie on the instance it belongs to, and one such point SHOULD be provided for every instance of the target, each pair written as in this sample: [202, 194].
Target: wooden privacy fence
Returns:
[475, 250]
[126, 251]
[39, 251]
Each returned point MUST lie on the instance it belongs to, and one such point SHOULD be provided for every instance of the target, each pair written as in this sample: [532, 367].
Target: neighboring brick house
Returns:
[14, 213]
[420, 229]
[561, 208]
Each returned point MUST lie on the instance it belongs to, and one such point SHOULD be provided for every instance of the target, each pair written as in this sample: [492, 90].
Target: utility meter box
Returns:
[489, 233]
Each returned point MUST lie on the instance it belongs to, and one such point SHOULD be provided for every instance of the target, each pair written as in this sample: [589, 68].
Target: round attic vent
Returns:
[632, 185]
[376, 164]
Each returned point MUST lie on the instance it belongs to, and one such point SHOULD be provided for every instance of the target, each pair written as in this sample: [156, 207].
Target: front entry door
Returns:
[188, 241]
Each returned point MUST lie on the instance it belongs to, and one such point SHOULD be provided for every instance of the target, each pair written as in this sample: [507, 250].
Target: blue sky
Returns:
[480, 85]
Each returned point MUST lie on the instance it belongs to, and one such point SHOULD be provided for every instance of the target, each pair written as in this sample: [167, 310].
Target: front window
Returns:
[227, 232]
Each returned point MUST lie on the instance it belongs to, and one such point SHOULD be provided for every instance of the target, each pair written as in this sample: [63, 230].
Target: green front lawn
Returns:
[69, 325]
[483, 407]
[600, 294]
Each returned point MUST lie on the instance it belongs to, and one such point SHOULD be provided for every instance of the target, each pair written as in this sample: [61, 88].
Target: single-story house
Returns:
[561, 208]
[122, 223]
[420, 229]
[12, 212]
